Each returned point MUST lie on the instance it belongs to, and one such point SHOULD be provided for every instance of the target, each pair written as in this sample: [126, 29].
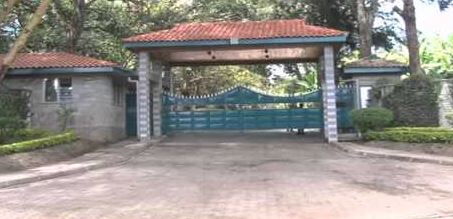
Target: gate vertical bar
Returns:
[143, 97]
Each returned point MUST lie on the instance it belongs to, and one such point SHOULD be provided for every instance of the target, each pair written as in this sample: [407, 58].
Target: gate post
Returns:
[143, 97]
[329, 96]
[156, 78]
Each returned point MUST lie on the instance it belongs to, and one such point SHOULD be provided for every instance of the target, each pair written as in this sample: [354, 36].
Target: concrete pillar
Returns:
[329, 96]
[157, 70]
[143, 97]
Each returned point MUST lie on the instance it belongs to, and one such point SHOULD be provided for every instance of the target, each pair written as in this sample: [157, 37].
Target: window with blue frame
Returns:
[58, 89]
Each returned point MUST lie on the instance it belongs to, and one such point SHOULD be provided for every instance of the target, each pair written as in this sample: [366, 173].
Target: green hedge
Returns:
[419, 129]
[373, 118]
[25, 135]
[412, 135]
[38, 143]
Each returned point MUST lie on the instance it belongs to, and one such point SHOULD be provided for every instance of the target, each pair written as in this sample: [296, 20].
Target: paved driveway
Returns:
[230, 176]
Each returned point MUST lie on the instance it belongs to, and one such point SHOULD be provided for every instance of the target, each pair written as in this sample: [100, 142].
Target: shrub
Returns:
[14, 102]
[412, 135]
[374, 118]
[8, 126]
[38, 143]
[27, 134]
[414, 101]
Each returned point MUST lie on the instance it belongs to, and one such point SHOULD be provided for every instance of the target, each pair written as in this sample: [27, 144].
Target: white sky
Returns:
[432, 21]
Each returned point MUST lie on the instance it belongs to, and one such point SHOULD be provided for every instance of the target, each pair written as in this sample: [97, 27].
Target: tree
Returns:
[21, 41]
[413, 45]
[366, 12]
[88, 28]
[341, 15]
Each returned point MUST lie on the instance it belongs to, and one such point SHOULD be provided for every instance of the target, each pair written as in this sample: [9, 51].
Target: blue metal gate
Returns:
[242, 108]
[131, 114]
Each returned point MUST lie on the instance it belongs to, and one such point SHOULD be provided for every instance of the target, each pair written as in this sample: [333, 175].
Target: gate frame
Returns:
[241, 95]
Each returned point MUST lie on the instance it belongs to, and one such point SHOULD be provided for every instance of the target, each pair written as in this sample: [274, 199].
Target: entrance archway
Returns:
[221, 43]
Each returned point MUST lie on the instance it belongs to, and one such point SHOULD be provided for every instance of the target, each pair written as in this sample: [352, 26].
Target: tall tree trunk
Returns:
[408, 15]
[365, 28]
[20, 42]
[76, 24]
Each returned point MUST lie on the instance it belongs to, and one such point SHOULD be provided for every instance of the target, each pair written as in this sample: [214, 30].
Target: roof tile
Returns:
[240, 30]
[57, 60]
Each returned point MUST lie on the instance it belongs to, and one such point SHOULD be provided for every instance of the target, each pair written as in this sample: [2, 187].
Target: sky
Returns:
[430, 20]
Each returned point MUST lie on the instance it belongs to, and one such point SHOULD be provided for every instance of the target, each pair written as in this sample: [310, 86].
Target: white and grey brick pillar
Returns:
[157, 70]
[143, 97]
[329, 95]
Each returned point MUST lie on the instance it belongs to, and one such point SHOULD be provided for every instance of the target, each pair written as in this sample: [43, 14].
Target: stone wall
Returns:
[445, 102]
[96, 117]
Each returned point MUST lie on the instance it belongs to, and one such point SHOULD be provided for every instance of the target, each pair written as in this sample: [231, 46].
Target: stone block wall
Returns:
[96, 117]
[445, 103]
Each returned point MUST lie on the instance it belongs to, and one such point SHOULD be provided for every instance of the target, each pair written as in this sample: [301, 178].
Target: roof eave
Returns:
[339, 39]
[375, 70]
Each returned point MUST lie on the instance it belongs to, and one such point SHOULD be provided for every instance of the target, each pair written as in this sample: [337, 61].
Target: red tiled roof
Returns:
[57, 60]
[240, 30]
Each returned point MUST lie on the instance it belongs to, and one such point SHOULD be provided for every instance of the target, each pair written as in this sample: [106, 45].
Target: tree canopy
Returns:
[97, 27]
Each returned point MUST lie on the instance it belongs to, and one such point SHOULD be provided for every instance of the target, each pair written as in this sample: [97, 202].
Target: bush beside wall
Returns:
[412, 135]
[373, 118]
[38, 143]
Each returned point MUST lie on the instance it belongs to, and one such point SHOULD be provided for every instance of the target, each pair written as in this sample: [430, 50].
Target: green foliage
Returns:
[412, 135]
[373, 118]
[227, 10]
[8, 126]
[25, 135]
[414, 101]
[38, 143]
[13, 111]
[338, 14]
[309, 82]
[13, 103]
[211, 79]
[88, 27]
[436, 56]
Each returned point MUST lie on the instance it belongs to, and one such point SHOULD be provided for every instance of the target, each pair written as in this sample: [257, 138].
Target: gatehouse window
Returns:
[117, 94]
[58, 89]
[365, 97]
